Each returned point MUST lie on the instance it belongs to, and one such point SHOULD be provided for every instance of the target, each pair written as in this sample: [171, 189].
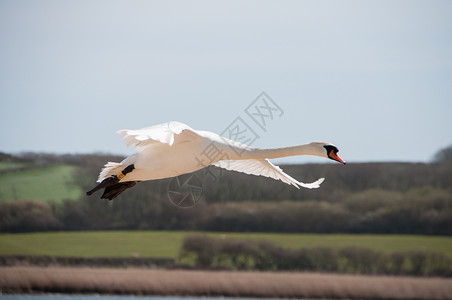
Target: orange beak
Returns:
[336, 157]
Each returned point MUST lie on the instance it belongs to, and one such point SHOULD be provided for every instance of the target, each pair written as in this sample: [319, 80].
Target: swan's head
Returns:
[328, 150]
[331, 153]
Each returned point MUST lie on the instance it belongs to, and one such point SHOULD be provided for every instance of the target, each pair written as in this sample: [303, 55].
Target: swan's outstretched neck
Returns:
[258, 153]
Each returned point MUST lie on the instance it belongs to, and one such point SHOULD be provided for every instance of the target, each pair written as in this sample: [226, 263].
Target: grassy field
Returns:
[166, 244]
[51, 184]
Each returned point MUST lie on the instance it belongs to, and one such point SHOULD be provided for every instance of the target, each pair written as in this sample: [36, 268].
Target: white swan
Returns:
[173, 148]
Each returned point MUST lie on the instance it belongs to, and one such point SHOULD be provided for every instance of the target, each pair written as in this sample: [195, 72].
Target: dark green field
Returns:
[160, 244]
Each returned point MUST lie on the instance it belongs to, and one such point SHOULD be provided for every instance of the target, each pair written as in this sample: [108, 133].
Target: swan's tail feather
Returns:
[110, 169]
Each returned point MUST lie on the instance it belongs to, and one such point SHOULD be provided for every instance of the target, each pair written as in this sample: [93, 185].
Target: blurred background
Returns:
[373, 77]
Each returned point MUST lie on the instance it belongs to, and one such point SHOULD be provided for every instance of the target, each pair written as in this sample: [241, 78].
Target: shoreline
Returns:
[160, 282]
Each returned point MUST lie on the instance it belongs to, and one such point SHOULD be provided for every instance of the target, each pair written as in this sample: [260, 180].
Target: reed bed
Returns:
[219, 283]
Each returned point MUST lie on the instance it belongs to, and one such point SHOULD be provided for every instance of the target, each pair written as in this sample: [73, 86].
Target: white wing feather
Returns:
[263, 167]
[163, 133]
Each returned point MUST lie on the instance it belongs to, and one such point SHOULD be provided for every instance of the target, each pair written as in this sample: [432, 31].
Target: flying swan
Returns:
[173, 148]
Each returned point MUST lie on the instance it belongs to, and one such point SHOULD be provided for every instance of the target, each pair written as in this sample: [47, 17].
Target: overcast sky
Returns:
[372, 77]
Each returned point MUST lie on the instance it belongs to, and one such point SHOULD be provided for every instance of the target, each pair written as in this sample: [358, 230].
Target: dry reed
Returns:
[220, 283]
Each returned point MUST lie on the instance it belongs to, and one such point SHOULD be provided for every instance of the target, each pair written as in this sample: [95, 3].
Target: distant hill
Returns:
[40, 177]
[20, 181]
[49, 177]
[356, 198]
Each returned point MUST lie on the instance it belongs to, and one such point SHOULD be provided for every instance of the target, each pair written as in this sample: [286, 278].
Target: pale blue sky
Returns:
[373, 77]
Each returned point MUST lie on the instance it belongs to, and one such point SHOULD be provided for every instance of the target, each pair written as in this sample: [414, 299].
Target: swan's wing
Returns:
[263, 167]
[166, 133]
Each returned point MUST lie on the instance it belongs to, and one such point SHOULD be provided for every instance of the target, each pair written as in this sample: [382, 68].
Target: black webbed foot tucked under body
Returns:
[104, 184]
[112, 185]
[113, 191]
